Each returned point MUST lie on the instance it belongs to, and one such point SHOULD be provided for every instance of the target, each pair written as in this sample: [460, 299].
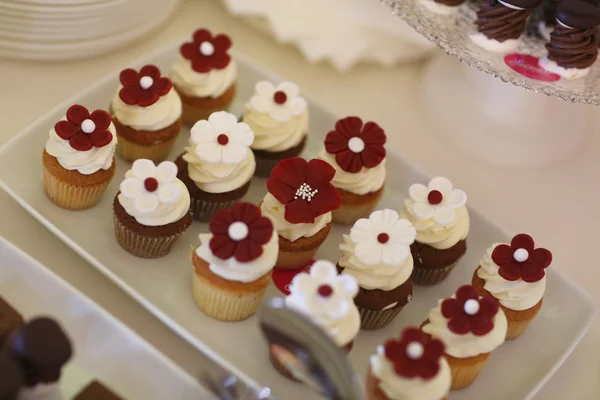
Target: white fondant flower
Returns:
[281, 102]
[149, 185]
[437, 200]
[222, 139]
[322, 292]
[383, 238]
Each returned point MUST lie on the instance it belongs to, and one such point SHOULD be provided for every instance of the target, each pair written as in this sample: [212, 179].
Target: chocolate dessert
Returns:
[11, 377]
[10, 321]
[96, 391]
[504, 20]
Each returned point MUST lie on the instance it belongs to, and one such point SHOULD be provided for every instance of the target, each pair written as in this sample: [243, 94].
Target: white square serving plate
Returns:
[104, 348]
[515, 371]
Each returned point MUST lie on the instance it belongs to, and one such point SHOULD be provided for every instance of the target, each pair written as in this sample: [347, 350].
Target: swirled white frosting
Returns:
[159, 115]
[273, 135]
[233, 270]
[84, 162]
[218, 177]
[396, 387]
[437, 235]
[208, 84]
[378, 276]
[367, 180]
[467, 345]
[515, 295]
[275, 211]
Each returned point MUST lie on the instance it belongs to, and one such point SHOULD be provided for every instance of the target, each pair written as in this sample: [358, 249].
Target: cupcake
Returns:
[377, 255]
[412, 368]
[299, 201]
[326, 298]
[147, 114]
[205, 76]
[471, 327]
[12, 377]
[10, 321]
[218, 164]
[514, 275]
[234, 263]
[439, 214]
[79, 160]
[356, 152]
[151, 210]
[279, 118]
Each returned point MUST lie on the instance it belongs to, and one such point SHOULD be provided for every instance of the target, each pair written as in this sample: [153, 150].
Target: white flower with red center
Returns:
[383, 238]
[149, 185]
[281, 102]
[437, 200]
[322, 294]
[222, 139]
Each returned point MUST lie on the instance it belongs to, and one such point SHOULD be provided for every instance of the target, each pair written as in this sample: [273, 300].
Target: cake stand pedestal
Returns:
[499, 123]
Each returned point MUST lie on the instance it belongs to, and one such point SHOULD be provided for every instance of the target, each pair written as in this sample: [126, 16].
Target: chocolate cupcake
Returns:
[10, 321]
[218, 164]
[441, 219]
[573, 46]
[377, 255]
[11, 377]
[500, 24]
[443, 7]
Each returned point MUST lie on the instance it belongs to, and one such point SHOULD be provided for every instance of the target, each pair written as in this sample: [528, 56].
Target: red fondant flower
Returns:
[304, 188]
[240, 232]
[466, 312]
[144, 87]
[206, 51]
[521, 260]
[356, 145]
[414, 355]
[84, 131]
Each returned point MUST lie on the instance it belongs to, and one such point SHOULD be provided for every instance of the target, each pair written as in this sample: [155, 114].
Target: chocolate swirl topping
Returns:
[573, 48]
[450, 3]
[499, 22]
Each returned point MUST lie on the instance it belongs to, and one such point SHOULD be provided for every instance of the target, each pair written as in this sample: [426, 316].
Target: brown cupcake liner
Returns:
[143, 246]
[295, 259]
[377, 319]
[465, 371]
[72, 197]
[194, 109]
[432, 276]
[265, 165]
[203, 209]
[348, 214]
[131, 151]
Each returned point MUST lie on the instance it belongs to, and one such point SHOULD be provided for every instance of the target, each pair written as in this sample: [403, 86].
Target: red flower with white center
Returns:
[414, 355]
[84, 130]
[467, 312]
[207, 52]
[521, 260]
[437, 200]
[143, 88]
[240, 231]
[304, 188]
[356, 145]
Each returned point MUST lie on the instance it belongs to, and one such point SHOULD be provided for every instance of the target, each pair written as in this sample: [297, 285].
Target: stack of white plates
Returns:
[69, 29]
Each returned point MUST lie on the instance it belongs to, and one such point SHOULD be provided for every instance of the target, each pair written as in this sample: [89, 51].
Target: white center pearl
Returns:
[356, 145]
[415, 350]
[207, 48]
[238, 231]
[146, 82]
[521, 255]
[471, 306]
[88, 126]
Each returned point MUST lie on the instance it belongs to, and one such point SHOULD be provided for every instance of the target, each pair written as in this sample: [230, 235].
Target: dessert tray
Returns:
[104, 348]
[451, 33]
[163, 285]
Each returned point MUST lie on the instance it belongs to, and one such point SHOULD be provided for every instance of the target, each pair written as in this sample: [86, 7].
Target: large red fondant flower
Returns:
[356, 145]
[304, 188]
[521, 260]
[466, 312]
[84, 130]
[143, 88]
[206, 51]
[240, 232]
[414, 355]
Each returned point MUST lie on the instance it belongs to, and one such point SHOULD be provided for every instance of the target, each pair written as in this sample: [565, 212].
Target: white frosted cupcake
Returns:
[217, 165]
[515, 275]
[356, 152]
[279, 118]
[377, 255]
[471, 327]
[412, 368]
[439, 214]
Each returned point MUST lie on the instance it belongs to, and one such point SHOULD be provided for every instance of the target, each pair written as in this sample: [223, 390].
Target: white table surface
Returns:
[557, 205]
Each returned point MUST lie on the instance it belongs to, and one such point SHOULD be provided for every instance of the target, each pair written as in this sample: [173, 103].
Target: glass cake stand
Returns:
[501, 124]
